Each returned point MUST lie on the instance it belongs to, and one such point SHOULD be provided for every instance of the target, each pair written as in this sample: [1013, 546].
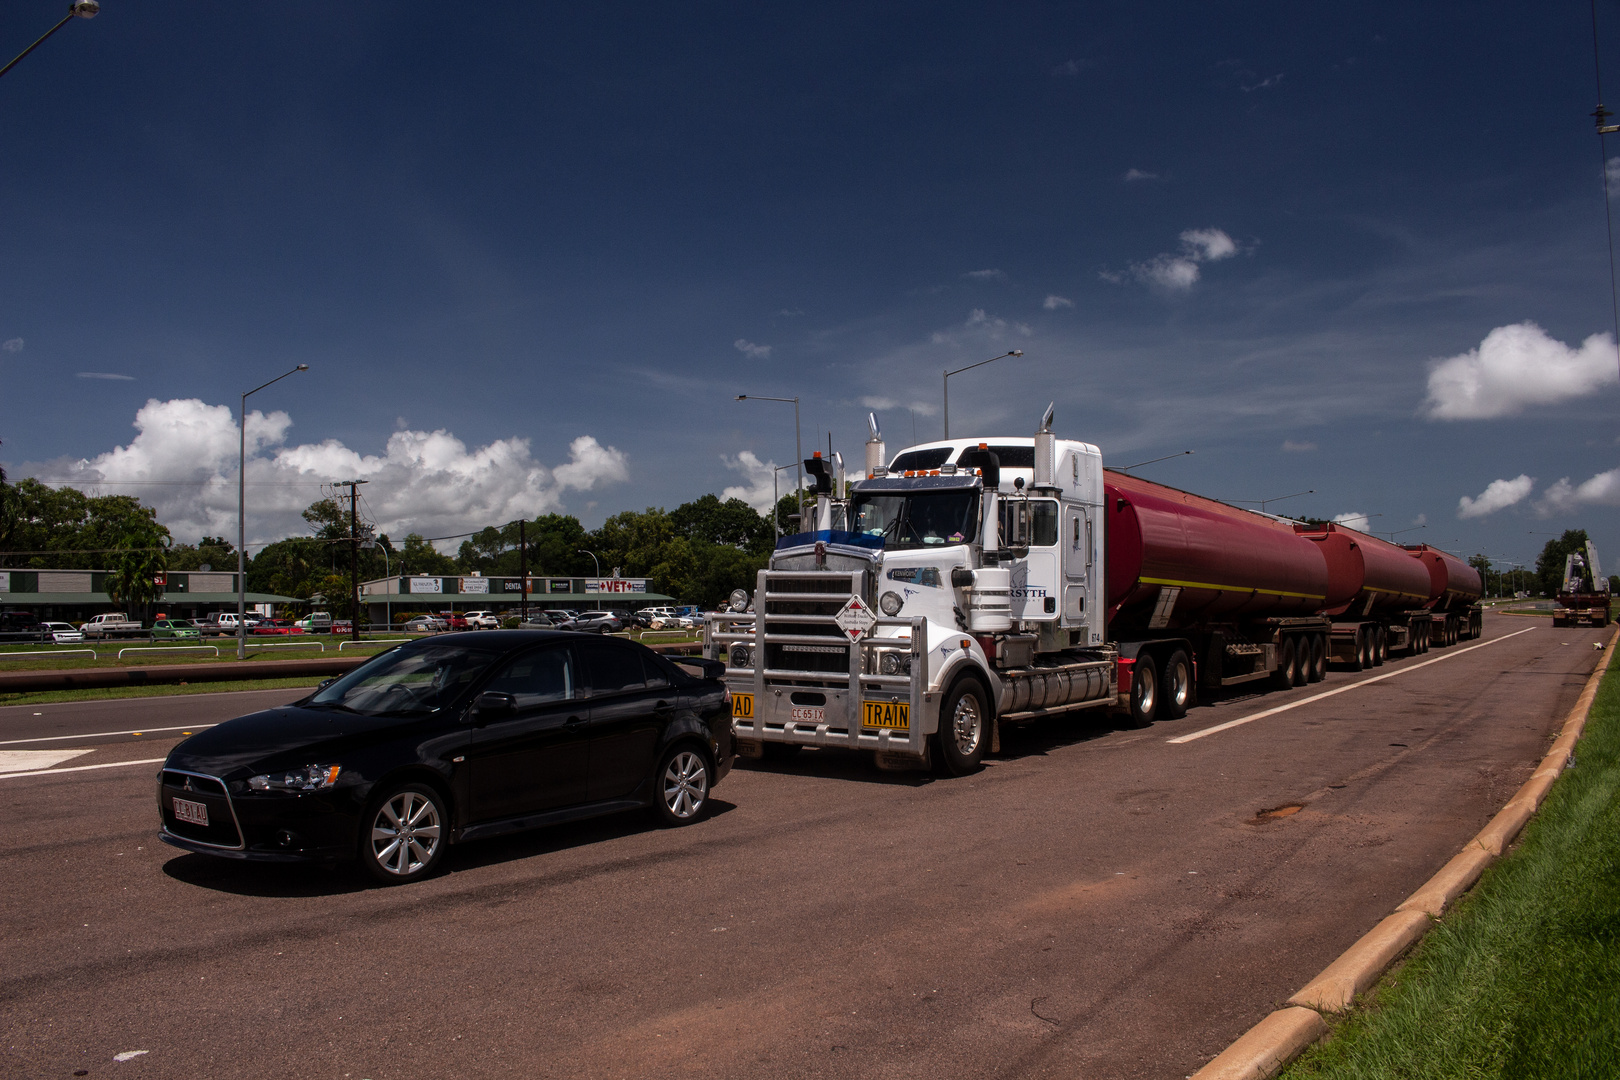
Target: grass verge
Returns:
[46, 697]
[1522, 978]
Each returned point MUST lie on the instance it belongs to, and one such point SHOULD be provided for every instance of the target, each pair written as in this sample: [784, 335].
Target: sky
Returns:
[531, 254]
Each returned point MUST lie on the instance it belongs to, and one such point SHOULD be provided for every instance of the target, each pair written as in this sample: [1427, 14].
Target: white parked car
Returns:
[62, 633]
[482, 620]
[660, 617]
[426, 624]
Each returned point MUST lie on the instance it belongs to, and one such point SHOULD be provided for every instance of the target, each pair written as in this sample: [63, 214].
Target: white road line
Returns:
[108, 734]
[84, 768]
[7, 709]
[1340, 690]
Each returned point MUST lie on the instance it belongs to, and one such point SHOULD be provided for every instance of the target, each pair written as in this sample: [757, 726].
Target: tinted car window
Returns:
[536, 678]
[657, 678]
[611, 669]
[407, 682]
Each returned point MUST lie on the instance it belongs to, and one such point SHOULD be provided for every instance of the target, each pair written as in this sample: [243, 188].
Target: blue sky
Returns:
[565, 239]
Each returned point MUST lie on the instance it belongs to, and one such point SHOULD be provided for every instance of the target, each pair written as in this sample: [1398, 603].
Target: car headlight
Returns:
[308, 778]
[891, 603]
[893, 662]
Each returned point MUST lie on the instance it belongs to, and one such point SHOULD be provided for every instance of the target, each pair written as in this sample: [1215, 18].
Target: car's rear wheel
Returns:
[682, 785]
[402, 835]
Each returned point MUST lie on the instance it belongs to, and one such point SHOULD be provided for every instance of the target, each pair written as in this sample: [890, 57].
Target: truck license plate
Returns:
[194, 812]
[895, 715]
[810, 714]
[742, 706]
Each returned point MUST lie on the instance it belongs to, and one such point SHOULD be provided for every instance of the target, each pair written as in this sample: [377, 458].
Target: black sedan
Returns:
[450, 739]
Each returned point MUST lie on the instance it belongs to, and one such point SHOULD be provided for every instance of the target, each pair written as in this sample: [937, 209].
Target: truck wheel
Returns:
[964, 725]
[1318, 670]
[1144, 691]
[1176, 686]
[1359, 653]
[1283, 677]
[1302, 660]
[1380, 651]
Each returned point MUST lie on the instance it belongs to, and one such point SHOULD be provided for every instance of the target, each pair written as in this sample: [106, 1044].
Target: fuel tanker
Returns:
[967, 584]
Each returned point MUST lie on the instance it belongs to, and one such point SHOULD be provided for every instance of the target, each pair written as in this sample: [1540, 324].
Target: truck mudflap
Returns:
[879, 703]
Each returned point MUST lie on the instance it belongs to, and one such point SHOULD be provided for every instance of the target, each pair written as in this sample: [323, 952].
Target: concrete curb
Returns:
[1265, 1049]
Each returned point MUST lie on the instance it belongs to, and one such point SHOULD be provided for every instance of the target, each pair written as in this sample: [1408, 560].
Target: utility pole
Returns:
[354, 553]
[523, 568]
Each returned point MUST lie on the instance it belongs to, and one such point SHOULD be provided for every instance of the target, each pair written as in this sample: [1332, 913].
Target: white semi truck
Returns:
[967, 583]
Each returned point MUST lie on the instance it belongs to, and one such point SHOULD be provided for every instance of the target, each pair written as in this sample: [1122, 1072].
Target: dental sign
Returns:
[616, 585]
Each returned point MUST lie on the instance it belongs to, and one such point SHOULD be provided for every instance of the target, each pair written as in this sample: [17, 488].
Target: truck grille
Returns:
[797, 614]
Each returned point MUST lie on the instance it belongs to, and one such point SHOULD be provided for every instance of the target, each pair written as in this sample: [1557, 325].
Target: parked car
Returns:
[658, 617]
[455, 620]
[481, 620]
[276, 628]
[223, 623]
[425, 624]
[62, 633]
[593, 622]
[111, 624]
[557, 615]
[175, 630]
[316, 622]
[448, 740]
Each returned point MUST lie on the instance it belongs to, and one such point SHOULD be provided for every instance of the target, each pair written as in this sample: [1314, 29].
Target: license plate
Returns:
[194, 812]
[810, 714]
[895, 715]
[742, 706]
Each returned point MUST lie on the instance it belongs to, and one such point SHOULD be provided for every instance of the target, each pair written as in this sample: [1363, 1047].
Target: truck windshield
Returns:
[917, 519]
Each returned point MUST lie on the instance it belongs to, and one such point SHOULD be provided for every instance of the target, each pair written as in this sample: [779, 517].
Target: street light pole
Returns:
[82, 9]
[241, 515]
[798, 445]
[946, 380]
[598, 564]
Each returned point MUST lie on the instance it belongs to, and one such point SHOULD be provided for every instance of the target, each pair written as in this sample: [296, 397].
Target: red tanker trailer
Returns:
[1454, 592]
[1242, 589]
[1377, 595]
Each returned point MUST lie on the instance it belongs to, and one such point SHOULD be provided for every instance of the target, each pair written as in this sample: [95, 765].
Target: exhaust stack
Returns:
[1046, 452]
[877, 458]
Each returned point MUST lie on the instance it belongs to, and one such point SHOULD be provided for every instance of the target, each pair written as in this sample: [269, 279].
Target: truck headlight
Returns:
[740, 656]
[893, 662]
[891, 603]
[308, 778]
[739, 601]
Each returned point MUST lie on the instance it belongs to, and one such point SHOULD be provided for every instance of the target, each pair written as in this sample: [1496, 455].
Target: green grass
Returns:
[1522, 978]
[107, 655]
[47, 697]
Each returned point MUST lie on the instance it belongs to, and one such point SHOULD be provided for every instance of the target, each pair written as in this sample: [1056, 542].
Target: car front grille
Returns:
[222, 830]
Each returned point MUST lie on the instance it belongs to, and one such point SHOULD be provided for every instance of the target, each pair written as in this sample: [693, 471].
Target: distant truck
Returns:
[1584, 599]
[112, 624]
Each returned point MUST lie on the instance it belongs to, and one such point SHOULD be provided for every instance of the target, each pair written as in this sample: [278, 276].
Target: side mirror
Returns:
[490, 703]
[325, 683]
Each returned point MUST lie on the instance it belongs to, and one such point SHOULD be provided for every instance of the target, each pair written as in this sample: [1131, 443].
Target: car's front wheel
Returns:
[402, 835]
[682, 783]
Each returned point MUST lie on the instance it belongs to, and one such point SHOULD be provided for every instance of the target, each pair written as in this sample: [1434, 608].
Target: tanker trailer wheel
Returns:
[1144, 691]
[964, 727]
[1316, 669]
[1283, 677]
[1380, 647]
[1359, 652]
[1176, 686]
[1302, 660]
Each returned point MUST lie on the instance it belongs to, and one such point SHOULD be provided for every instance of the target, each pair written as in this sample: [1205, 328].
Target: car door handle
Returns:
[662, 707]
[574, 721]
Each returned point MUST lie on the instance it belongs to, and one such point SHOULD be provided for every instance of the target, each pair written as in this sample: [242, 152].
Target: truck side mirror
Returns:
[1015, 525]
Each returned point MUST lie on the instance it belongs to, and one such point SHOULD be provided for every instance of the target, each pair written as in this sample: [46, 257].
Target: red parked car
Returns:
[453, 620]
[276, 627]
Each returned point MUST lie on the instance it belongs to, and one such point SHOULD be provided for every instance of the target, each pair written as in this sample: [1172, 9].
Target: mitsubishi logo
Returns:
[187, 785]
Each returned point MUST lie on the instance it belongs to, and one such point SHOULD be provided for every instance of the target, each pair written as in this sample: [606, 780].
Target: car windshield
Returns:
[180, 624]
[917, 519]
[407, 682]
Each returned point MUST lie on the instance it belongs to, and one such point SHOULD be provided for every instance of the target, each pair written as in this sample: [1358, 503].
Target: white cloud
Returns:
[1071, 68]
[1211, 245]
[1132, 175]
[1292, 447]
[1421, 519]
[1514, 368]
[759, 476]
[1611, 169]
[1180, 271]
[12, 344]
[1264, 84]
[1601, 490]
[422, 481]
[1353, 520]
[105, 375]
[748, 348]
[1498, 495]
[921, 408]
[1054, 301]
[985, 275]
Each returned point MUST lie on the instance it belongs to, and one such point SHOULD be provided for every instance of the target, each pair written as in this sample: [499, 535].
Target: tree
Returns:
[1550, 566]
[214, 552]
[139, 562]
[420, 557]
[1483, 564]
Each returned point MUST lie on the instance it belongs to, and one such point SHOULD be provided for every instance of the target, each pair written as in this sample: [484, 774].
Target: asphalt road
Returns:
[1098, 902]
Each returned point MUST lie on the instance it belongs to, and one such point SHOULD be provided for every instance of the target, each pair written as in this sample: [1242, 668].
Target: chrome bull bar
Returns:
[858, 709]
